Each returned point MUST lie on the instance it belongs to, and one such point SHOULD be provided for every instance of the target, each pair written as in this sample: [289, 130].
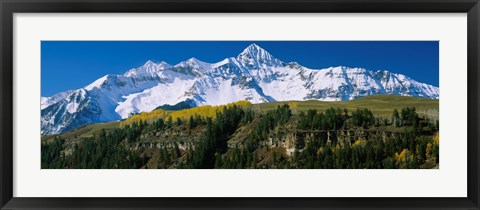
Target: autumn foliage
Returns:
[201, 111]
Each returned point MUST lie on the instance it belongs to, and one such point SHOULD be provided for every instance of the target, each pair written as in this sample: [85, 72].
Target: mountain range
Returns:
[254, 75]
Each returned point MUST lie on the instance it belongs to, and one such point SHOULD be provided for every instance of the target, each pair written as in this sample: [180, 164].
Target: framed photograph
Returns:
[239, 105]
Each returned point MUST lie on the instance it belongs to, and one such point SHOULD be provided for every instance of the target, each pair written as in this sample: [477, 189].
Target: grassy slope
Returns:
[85, 131]
[380, 105]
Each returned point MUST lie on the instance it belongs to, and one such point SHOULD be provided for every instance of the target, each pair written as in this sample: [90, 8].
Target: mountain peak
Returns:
[254, 49]
[192, 62]
[193, 59]
[255, 56]
[149, 63]
[164, 65]
[148, 69]
[161, 64]
[253, 46]
[97, 84]
[192, 66]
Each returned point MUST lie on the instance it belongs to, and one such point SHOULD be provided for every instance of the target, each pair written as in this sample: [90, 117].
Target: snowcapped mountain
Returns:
[253, 75]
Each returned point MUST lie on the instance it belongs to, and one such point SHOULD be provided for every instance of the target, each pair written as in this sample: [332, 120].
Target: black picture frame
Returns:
[9, 7]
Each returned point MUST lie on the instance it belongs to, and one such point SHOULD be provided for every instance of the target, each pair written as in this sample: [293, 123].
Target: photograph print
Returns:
[240, 105]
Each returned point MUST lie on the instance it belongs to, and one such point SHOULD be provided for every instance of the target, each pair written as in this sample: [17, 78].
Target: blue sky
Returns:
[73, 64]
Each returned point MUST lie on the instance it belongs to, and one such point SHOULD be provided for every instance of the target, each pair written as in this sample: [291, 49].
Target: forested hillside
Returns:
[368, 133]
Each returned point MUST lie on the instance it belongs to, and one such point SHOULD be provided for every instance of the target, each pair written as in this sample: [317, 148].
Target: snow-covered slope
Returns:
[47, 101]
[253, 75]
